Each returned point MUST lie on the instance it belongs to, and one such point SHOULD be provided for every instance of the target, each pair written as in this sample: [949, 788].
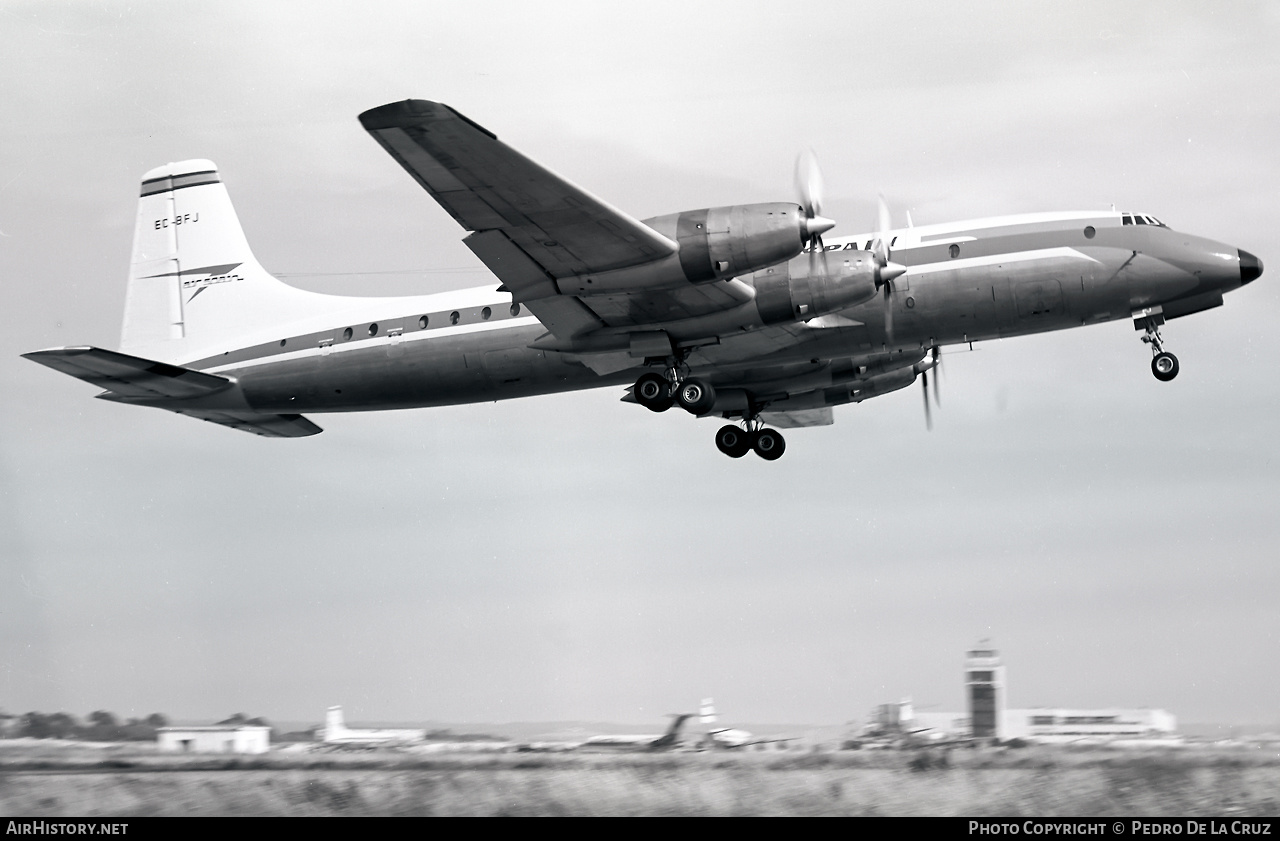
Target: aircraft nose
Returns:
[1250, 267]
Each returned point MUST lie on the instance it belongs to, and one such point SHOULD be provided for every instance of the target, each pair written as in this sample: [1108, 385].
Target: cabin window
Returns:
[454, 318]
[347, 334]
[373, 329]
[422, 323]
[1089, 232]
[955, 250]
[485, 313]
[282, 341]
[515, 310]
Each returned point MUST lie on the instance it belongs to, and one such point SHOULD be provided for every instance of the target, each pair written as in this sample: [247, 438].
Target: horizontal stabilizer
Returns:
[129, 376]
[259, 423]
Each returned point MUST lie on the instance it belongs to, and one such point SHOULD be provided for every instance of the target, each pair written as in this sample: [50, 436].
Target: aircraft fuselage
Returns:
[965, 282]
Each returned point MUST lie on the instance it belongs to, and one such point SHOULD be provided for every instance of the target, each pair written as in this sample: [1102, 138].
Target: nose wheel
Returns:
[1163, 364]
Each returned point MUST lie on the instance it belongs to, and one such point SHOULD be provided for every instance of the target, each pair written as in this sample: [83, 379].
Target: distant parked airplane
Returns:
[336, 732]
[667, 741]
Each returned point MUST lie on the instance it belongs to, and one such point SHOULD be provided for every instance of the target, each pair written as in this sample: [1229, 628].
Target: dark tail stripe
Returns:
[190, 179]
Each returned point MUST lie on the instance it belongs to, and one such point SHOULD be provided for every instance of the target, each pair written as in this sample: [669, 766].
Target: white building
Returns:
[215, 738]
[1061, 725]
[989, 718]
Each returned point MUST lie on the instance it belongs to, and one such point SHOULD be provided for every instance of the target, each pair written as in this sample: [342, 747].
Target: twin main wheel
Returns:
[654, 392]
[734, 442]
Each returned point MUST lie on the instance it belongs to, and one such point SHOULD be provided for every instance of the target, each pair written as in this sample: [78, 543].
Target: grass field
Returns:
[48, 780]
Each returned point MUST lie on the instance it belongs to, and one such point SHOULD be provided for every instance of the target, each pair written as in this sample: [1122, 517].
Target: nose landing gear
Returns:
[1163, 364]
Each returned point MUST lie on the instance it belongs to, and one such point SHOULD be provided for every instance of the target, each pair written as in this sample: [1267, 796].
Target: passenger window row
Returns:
[437, 319]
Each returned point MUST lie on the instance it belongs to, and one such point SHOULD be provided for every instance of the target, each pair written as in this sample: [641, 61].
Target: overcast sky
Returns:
[574, 557]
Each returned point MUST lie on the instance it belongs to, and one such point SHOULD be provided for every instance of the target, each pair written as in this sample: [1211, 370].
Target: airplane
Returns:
[636, 744]
[730, 738]
[743, 312]
[335, 732]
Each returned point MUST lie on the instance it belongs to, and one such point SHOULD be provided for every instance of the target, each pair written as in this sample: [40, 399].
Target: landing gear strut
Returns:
[1163, 364]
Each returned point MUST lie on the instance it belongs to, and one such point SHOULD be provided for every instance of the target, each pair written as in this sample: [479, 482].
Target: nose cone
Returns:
[1250, 267]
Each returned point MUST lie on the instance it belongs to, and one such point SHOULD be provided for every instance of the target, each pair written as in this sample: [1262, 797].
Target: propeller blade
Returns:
[937, 375]
[809, 183]
[928, 419]
[888, 314]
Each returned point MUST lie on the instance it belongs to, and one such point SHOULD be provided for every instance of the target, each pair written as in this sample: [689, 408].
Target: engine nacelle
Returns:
[719, 242]
[715, 243]
[813, 285]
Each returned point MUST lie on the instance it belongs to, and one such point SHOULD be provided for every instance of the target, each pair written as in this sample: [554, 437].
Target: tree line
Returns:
[103, 726]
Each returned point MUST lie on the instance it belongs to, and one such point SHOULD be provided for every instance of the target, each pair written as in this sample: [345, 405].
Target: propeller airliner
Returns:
[745, 312]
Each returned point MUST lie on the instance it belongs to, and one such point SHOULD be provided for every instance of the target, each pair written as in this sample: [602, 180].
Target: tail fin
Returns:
[193, 282]
[672, 736]
[707, 711]
[334, 724]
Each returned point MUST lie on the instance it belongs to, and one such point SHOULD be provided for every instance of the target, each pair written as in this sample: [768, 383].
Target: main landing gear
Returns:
[734, 441]
[658, 393]
[1163, 364]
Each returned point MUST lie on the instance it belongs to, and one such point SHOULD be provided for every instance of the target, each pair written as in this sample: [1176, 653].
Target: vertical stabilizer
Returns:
[194, 285]
[334, 724]
[707, 711]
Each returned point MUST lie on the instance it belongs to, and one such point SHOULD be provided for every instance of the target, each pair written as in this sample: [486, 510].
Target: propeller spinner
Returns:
[886, 270]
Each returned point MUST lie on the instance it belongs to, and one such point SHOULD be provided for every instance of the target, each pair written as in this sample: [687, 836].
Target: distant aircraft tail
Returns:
[334, 724]
[672, 736]
[707, 711]
[193, 281]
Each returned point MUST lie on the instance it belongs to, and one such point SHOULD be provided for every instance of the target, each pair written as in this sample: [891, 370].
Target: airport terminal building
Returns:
[988, 716]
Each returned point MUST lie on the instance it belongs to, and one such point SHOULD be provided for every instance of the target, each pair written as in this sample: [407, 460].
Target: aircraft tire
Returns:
[695, 396]
[733, 442]
[1164, 366]
[653, 392]
[769, 444]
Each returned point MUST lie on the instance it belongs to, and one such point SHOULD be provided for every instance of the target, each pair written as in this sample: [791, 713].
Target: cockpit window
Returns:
[1140, 220]
[1128, 220]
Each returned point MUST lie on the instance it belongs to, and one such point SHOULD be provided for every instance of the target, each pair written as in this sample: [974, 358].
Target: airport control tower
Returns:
[984, 686]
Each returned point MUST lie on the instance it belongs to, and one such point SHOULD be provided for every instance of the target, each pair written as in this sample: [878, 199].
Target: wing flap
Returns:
[523, 277]
[800, 418]
[129, 376]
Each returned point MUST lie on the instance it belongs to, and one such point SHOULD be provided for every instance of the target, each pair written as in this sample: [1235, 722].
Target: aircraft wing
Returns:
[512, 203]
[531, 227]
